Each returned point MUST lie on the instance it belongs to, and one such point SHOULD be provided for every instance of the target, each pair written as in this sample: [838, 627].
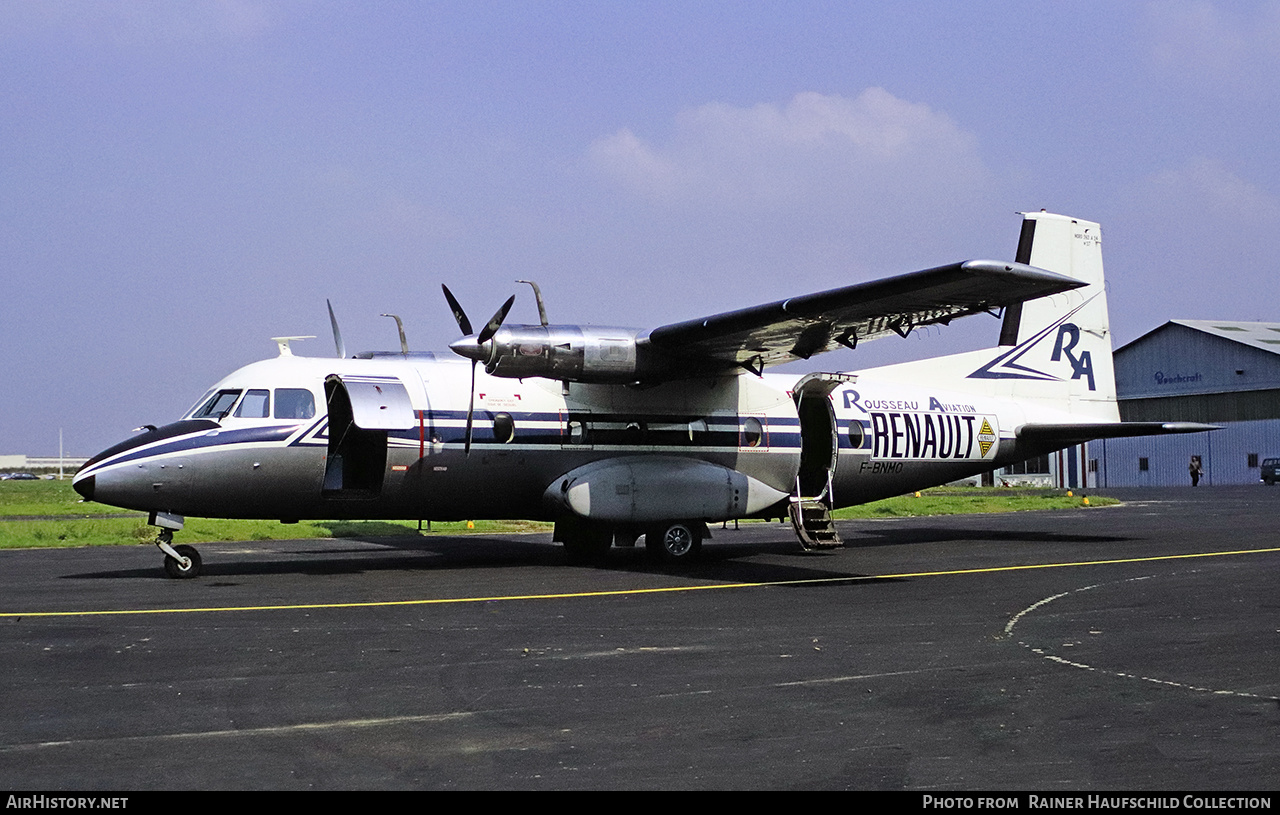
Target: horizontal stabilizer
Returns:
[1061, 435]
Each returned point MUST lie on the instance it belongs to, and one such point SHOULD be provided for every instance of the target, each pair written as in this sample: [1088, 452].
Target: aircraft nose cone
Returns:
[467, 347]
[84, 485]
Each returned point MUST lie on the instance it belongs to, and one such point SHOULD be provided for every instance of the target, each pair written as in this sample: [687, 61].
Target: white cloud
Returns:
[875, 146]
[1205, 190]
[741, 204]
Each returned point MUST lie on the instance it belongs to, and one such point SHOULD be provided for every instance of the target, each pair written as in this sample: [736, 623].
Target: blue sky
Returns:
[179, 182]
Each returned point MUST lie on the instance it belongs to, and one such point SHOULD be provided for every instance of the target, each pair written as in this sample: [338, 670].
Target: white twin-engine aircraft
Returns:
[616, 433]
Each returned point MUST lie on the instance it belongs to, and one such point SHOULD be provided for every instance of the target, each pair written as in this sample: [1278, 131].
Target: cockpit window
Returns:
[199, 404]
[295, 403]
[218, 406]
[255, 405]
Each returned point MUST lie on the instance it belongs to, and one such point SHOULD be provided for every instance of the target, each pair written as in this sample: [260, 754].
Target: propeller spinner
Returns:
[472, 346]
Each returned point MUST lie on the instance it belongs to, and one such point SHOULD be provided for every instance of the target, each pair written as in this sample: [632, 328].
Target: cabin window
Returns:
[752, 432]
[295, 403]
[855, 434]
[218, 406]
[504, 428]
[256, 404]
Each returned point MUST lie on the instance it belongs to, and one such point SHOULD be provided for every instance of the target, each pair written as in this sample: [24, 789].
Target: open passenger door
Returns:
[361, 411]
[812, 500]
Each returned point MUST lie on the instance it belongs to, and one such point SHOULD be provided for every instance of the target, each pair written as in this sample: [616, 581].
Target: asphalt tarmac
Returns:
[1124, 648]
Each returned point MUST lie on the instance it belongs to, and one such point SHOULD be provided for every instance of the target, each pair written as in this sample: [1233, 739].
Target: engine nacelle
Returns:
[645, 489]
[566, 352]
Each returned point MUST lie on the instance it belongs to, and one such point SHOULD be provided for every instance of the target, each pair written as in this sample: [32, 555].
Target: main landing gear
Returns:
[671, 542]
[678, 542]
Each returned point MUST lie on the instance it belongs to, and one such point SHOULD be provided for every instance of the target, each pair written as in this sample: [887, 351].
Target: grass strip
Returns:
[59, 506]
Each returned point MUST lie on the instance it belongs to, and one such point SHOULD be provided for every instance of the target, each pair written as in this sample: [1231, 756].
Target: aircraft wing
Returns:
[799, 327]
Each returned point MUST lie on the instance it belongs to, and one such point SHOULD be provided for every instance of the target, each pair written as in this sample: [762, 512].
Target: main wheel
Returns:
[174, 568]
[677, 542]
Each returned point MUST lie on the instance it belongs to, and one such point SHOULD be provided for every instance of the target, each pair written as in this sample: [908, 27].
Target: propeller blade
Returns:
[494, 324]
[337, 335]
[471, 407]
[458, 313]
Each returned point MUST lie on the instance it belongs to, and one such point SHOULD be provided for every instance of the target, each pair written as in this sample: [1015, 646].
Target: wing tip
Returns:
[1021, 271]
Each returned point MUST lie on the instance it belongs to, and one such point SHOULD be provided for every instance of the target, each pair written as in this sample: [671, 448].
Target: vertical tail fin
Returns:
[1063, 341]
[1056, 348]
[1069, 246]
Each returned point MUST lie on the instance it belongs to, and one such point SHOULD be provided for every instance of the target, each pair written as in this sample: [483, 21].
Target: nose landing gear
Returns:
[180, 562]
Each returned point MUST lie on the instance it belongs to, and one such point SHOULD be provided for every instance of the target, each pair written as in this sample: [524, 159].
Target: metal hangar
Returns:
[1216, 371]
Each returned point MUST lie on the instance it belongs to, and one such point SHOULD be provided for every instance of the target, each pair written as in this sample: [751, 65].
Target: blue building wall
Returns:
[1180, 372]
[1174, 360]
[1224, 455]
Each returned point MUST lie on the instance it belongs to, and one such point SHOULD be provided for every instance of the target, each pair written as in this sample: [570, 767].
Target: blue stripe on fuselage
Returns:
[722, 432]
[211, 438]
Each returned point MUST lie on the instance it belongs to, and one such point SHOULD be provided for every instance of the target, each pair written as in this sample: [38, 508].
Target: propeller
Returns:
[474, 350]
[458, 313]
[337, 335]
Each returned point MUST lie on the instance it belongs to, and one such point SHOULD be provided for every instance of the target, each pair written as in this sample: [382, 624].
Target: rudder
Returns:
[1066, 337]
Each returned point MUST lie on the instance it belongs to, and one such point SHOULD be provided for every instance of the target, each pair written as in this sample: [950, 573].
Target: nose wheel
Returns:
[180, 562]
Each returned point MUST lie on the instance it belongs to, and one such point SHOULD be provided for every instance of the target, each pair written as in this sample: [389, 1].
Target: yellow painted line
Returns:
[626, 592]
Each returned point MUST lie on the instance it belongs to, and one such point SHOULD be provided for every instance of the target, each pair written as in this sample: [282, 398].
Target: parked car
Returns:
[1269, 467]
[22, 477]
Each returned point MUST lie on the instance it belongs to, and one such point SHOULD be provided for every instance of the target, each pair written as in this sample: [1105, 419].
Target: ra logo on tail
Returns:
[1010, 365]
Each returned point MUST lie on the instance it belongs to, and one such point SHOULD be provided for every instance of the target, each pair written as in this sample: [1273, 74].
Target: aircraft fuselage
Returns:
[871, 439]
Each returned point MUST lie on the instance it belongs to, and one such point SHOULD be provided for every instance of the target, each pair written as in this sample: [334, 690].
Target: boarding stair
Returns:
[811, 518]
